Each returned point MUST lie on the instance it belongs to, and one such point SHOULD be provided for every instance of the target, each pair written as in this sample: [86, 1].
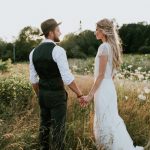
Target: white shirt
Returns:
[60, 57]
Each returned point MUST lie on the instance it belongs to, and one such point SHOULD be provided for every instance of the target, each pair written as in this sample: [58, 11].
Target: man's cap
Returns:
[48, 25]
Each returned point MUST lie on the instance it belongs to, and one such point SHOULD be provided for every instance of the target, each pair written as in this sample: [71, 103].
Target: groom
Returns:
[49, 71]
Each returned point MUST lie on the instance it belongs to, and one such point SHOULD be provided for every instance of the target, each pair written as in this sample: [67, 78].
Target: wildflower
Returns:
[75, 67]
[146, 90]
[130, 66]
[140, 76]
[126, 97]
[119, 75]
[142, 97]
[1, 122]
[139, 68]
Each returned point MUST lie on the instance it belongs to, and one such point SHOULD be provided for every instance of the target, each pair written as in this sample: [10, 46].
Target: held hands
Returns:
[85, 100]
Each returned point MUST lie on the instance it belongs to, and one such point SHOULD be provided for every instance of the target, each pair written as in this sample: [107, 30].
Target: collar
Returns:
[48, 40]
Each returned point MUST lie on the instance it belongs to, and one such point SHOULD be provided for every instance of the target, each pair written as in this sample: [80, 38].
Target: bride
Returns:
[109, 128]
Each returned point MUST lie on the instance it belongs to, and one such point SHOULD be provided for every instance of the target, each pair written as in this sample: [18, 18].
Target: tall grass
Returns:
[19, 129]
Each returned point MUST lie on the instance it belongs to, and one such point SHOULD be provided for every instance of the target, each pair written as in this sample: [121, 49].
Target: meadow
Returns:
[19, 110]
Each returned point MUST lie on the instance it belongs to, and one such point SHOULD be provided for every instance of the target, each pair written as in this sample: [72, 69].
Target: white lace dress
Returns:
[109, 128]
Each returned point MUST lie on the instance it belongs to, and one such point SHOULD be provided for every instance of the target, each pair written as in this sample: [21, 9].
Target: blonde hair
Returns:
[110, 31]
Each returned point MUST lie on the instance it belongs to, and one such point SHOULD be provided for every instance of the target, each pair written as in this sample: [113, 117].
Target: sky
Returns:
[17, 14]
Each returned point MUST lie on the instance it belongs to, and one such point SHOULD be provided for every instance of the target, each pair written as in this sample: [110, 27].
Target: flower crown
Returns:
[105, 27]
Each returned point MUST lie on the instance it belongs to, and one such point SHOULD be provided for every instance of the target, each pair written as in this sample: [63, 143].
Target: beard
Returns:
[56, 39]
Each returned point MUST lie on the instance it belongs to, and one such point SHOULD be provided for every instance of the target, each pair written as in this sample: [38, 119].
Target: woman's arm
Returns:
[102, 68]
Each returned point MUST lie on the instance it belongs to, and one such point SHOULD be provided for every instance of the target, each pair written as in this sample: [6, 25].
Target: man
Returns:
[49, 62]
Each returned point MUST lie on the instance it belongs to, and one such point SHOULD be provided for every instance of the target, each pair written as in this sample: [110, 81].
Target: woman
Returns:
[109, 128]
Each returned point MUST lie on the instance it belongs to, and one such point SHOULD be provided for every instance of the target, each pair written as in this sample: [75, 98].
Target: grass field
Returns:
[19, 127]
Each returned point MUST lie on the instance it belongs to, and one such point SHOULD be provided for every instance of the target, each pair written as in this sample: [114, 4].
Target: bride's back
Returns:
[104, 49]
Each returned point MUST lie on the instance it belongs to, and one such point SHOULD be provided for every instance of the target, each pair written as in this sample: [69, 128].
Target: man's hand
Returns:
[83, 101]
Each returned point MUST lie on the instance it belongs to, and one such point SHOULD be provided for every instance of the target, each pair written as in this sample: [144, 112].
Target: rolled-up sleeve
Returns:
[33, 74]
[60, 57]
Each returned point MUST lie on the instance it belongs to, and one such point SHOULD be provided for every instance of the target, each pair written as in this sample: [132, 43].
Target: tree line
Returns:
[135, 40]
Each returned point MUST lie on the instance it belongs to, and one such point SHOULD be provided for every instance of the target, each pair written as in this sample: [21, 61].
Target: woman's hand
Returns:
[83, 102]
[89, 97]
[87, 100]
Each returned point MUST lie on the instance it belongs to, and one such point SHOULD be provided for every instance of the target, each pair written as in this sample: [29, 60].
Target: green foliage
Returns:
[134, 36]
[15, 93]
[70, 45]
[7, 52]
[2, 47]
[144, 50]
[80, 46]
[27, 40]
[75, 52]
[129, 69]
[19, 111]
[5, 66]
[88, 43]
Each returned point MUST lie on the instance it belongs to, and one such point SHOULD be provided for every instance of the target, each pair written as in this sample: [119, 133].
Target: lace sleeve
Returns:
[103, 50]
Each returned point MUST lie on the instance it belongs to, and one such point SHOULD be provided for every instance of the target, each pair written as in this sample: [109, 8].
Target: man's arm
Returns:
[73, 86]
[33, 75]
[60, 57]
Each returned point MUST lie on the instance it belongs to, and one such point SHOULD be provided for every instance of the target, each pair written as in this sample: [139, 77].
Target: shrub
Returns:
[144, 50]
[15, 93]
[5, 66]
[76, 53]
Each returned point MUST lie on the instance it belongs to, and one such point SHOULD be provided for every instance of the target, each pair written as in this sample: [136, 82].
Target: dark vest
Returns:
[46, 68]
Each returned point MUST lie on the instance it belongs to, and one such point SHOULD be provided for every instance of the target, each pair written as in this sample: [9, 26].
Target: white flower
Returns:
[146, 78]
[146, 90]
[119, 75]
[33, 136]
[1, 122]
[131, 78]
[130, 66]
[126, 97]
[143, 72]
[75, 67]
[142, 97]
[144, 81]
[139, 68]
[140, 76]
